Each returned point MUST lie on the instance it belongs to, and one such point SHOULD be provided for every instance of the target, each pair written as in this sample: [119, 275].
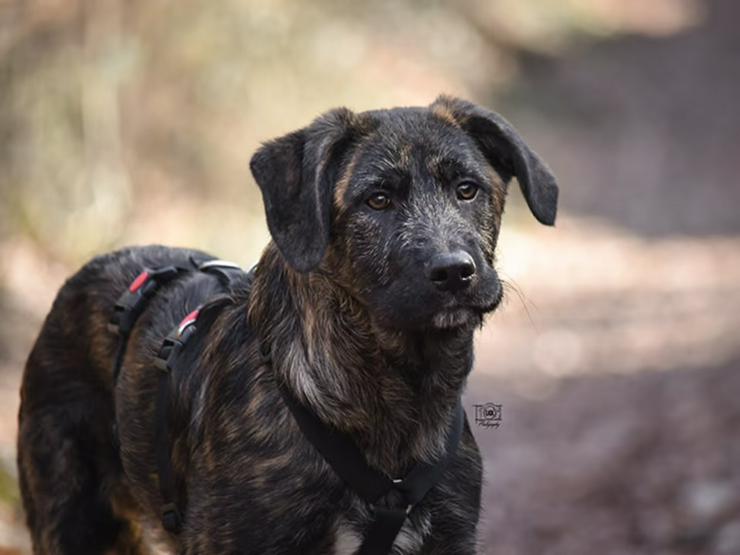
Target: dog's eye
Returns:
[467, 190]
[379, 201]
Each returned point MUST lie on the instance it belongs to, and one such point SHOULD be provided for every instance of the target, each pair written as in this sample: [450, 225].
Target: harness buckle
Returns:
[398, 487]
[395, 499]
[162, 359]
[130, 304]
[222, 269]
[175, 341]
[384, 529]
[203, 266]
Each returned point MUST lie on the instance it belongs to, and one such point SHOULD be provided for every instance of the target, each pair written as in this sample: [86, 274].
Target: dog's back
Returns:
[67, 441]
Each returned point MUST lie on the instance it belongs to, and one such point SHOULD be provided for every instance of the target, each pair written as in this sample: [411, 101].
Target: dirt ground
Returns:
[638, 464]
[620, 425]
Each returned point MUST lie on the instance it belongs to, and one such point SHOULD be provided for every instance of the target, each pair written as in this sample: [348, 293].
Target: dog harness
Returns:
[127, 310]
[391, 501]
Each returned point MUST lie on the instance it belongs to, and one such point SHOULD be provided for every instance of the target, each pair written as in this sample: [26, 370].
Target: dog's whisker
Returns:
[509, 285]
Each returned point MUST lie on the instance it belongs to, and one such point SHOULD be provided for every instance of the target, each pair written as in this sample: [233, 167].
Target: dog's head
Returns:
[402, 207]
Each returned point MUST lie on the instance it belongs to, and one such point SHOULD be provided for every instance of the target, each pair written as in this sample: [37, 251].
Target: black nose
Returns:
[452, 271]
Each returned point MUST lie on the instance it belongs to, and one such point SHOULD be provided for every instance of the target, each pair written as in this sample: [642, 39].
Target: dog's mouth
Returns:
[453, 318]
[435, 311]
[457, 316]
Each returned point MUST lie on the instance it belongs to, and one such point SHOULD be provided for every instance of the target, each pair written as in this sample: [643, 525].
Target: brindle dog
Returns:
[385, 226]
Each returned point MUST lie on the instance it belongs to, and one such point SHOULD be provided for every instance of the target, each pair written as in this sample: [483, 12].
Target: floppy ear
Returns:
[296, 174]
[507, 152]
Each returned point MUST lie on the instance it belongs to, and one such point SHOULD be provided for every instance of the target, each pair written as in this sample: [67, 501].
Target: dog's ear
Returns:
[296, 174]
[507, 152]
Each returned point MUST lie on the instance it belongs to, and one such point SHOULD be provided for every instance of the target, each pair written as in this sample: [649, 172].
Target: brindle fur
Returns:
[356, 332]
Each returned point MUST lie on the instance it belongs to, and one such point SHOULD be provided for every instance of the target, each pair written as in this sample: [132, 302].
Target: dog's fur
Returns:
[358, 332]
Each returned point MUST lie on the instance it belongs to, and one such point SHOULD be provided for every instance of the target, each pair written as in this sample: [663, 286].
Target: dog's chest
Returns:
[409, 540]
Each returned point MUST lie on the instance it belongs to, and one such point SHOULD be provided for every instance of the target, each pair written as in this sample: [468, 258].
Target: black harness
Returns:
[390, 500]
[127, 310]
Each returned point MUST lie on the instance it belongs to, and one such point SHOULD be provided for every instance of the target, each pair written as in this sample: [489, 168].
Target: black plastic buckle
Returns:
[131, 302]
[395, 499]
[171, 519]
[222, 269]
[204, 266]
[175, 342]
[384, 528]
[167, 353]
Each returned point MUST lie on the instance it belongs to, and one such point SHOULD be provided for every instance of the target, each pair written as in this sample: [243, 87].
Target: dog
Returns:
[384, 226]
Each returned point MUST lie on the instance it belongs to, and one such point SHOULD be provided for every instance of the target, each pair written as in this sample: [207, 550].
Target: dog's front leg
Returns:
[453, 531]
[454, 505]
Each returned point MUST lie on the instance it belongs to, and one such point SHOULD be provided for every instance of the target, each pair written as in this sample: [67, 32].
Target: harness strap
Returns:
[131, 304]
[169, 512]
[167, 361]
[225, 271]
[384, 529]
[134, 300]
[391, 500]
[128, 308]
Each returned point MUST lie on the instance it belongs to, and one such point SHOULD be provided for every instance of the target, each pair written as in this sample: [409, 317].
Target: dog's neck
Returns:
[393, 392]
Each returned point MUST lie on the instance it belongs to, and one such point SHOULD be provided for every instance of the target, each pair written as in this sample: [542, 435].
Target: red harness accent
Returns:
[187, 321]
[140, 280]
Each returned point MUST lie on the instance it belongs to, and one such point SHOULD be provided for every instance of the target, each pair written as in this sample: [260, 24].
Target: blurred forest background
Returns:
[617, 355]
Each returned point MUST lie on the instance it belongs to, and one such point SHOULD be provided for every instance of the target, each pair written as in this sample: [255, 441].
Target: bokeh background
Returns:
[616, 357]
